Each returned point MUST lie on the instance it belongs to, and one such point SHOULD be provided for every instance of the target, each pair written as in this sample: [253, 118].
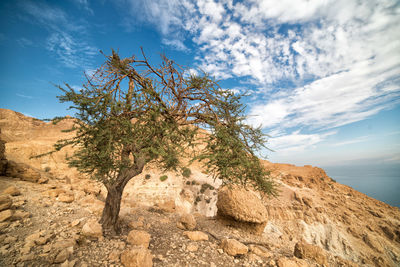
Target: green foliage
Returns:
[163, 178]
[130, 113]
[147, 176]
[186, 172]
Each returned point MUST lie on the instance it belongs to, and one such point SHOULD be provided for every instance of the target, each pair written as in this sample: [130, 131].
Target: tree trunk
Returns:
[111, 210]
[109, 218]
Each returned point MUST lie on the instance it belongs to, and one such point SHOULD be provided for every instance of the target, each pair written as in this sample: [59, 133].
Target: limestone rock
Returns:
[22, 171]
[139, 238]
[233, 247]
[20, 215]
[137, 257]
[196, 235]
[303, 250]
[293, 262]
[12, 191]
[260, 251]
[241, 204]
[187, 222]
[54, 192]
[92, 229]
[62, 256]
[6, 215]
[5, 202]
[373, 243]
[66, 198]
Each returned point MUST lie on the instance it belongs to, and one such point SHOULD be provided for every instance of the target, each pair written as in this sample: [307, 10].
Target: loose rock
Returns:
[196, 235]
[187, 222]
[303, 250]
[233, 247]
[92, 229]
[5, 202]
[137, 257]
[139, 238]
[12, 191]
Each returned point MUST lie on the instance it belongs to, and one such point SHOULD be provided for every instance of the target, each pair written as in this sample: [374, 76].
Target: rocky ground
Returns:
[49, 214]
[45, 227]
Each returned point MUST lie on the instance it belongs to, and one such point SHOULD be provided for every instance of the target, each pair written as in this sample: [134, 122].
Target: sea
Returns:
[380, 181]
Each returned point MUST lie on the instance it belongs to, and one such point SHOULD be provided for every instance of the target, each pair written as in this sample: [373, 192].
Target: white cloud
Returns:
[177, 44]
[24, 96]
[336, 61]
[360, 139]
[296, 141]
[67, 38]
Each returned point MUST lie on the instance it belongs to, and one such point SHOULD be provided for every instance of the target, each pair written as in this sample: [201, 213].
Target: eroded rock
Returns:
[302, 250]
[139, 238]
[92, 229]
[137, 257]
[241, 204]
[196, 235]
[233, 247]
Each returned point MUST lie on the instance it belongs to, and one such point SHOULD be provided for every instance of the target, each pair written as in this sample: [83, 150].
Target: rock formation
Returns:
[314, 222]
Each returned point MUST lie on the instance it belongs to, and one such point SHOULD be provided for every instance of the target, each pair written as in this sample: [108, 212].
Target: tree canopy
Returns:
[130, 113]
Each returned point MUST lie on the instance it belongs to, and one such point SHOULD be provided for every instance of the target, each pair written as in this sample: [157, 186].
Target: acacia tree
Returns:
[130, 113]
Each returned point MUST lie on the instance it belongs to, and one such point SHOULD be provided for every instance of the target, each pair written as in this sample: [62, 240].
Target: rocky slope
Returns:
[314, 222]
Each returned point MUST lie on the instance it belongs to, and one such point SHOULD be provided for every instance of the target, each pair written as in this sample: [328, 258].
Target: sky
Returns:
[323, 76]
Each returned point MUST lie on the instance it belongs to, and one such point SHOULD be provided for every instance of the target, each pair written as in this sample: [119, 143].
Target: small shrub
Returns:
[147, 176]
[163, 178]
[193, 182]
[186, 172]
[198, 199]
[333, 180]
[188, 183]
[47, 169]
[206, 186]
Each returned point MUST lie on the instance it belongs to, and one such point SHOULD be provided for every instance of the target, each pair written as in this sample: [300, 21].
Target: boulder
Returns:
[187, 222]
[5, 202]
[5, 215]
[92, 229]
[22, 171]
[66, 198]
[196, 235]
[302, 250]
[241, 204]
[20, 215]
[137, 257]
[260, 251]
[233, 247]
[12, 191]
[139, 238]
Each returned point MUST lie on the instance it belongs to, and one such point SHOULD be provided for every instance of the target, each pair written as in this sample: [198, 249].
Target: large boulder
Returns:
[22, 171]
[241, 204]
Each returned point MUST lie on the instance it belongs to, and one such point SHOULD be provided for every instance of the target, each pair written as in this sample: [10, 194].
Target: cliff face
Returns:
[311, 206]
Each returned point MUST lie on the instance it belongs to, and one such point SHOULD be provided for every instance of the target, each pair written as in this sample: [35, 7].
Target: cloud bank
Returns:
[317, 65]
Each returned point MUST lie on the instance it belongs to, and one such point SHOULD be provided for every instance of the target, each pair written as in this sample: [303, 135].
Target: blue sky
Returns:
[323, 76]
